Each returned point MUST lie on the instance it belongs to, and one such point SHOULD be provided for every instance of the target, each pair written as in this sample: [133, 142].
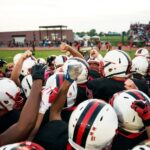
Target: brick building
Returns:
[45, 33]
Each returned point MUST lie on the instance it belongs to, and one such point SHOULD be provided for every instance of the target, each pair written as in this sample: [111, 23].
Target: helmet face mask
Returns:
[88, 123]
[117, 63]
[9, 95]
[129, 119]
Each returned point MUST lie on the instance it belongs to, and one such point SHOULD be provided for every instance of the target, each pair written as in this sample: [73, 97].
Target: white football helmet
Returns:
[140, 65]
[9, 95]
[27, 64]
[26, 85]
[142, 52]
[41, 61]
[129, 119]
[92, 125]
[26, 145]
[117, 63]
[83, 77]
[54, 82]
[60, 60]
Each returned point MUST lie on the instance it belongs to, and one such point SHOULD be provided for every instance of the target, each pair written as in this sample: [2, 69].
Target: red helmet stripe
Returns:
[137, 95]
[85, 122]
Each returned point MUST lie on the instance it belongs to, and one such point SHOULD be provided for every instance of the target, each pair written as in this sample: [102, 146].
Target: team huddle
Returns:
[72, 102]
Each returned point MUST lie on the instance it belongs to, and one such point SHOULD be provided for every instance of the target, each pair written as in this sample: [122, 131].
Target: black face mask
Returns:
[2, 62]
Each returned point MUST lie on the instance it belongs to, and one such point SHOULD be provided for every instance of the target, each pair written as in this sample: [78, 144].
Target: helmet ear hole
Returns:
[110, 69]
[133, 119]
[6, 102]
[101, 118]
[119, 61]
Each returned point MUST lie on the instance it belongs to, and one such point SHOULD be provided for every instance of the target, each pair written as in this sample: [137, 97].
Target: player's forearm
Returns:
[21, 130]
[36, 127]
[30, 110]
[55, 111]
[13, 134]
[74, 52]
[16, 71]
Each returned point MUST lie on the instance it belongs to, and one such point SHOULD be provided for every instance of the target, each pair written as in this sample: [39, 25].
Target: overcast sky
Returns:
[79, 15]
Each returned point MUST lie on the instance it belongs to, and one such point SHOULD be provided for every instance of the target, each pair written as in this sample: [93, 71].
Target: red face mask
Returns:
[101, 68]
[18, 100]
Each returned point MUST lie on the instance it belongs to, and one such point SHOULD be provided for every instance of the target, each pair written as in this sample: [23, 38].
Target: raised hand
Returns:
[38, 71]
[73, 71]
[143, 110]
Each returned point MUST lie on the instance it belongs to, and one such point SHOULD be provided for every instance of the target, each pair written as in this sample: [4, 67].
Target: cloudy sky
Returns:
[79, 15]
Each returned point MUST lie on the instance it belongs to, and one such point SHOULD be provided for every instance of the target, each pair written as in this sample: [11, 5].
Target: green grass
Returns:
[114, 39]
[9, 54]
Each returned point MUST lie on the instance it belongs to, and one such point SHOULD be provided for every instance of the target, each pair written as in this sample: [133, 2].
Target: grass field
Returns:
[114, 39]
[9, 54]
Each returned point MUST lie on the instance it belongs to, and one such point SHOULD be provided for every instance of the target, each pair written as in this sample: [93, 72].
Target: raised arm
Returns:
[66, 48]
[73, 71]
[21, 130]
[18, 67]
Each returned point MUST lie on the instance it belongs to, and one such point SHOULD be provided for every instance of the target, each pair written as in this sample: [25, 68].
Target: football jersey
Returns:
[104, 88]
[53, 135]
[9, 119]
[124, 140]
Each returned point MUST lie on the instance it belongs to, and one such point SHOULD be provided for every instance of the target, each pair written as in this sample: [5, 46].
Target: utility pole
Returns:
[33, 43]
